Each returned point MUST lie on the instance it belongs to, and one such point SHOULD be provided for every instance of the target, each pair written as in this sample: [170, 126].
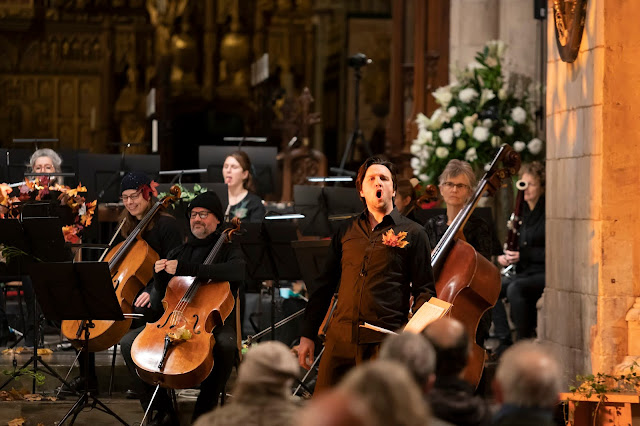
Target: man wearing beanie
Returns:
[262, 391]
[204, 214]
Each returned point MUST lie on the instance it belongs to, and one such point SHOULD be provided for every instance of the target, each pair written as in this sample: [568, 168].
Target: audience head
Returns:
[405, 196]
[528, 376]
[205, 214]
[416, 353]
[267, 368]
[336, 408]
[390, 393]
[457, 182]
[236, 170]
[534, 175]
[451, 343]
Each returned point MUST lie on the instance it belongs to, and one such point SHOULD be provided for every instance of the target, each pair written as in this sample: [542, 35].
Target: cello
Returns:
[176, 352]
[131, 267]
[465, 278]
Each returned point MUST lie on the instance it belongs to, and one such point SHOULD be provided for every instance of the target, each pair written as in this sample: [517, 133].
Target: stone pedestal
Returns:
[593, 191]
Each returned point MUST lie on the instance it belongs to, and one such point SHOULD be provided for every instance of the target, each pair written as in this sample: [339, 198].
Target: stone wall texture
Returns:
[592, 229]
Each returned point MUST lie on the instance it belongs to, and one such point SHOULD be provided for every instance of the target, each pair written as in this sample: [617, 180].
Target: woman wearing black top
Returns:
[524, 288]
[162, 234]
[243, 202]
[457, 183]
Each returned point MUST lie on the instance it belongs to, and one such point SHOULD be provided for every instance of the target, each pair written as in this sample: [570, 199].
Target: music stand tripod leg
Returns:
[83, 401]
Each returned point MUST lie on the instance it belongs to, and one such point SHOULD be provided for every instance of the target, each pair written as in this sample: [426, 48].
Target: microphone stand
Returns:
[357, 132]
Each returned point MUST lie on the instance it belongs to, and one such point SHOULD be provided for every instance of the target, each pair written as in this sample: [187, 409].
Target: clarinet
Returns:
[513, 225]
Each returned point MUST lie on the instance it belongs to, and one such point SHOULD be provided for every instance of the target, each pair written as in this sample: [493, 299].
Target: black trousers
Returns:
[522, 291]
[225, 352]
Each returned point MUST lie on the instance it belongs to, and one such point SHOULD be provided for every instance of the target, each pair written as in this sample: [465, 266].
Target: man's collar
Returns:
[395, 215]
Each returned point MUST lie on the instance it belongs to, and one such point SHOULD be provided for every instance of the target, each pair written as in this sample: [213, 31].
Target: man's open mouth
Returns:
[379, 193]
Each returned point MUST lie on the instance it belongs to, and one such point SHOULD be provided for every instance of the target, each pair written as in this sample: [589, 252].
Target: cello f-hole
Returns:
[196, 323]
[165, 322]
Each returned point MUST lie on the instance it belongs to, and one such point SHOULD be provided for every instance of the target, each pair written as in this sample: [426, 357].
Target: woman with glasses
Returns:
[46, 160]
[457, 183]
[525, 287]
[243, 202]
[138, 195]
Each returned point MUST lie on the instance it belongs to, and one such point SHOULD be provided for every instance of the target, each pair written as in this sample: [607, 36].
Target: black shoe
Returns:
[131, 394]
[77, 385]
[164, 419]
[499, 350]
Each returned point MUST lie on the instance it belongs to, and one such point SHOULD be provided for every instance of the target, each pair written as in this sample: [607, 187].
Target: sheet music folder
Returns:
[76, 291]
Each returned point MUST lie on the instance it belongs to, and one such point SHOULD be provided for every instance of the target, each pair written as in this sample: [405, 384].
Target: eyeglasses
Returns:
[459, 186]
[132, 197]
[44, 168]
[203, 215]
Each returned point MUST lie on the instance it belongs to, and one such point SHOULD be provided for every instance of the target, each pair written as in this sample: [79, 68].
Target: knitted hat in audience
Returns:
[269, 363]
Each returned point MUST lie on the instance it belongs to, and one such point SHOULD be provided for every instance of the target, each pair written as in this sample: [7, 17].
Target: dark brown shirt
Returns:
[375, 280]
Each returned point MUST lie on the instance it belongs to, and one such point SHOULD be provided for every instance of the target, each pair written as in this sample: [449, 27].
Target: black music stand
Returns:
[269, 255]
[12, 235]
[41, 239]
[78, 291]
[310, 201]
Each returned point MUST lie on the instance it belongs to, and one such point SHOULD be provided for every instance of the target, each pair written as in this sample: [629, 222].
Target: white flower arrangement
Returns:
[476, 115]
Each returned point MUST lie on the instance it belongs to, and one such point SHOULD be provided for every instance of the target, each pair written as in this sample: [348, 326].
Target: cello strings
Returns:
[182, 305]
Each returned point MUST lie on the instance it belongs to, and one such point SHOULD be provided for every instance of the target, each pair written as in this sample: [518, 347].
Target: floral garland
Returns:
[477, 114]
[82, 210]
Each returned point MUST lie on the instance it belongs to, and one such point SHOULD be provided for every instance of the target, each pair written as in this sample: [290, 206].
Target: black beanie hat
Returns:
[208, 200]
[134, 180]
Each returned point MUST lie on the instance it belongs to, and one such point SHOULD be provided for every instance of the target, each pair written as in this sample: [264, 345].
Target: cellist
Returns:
[205, 215]
[138, 195]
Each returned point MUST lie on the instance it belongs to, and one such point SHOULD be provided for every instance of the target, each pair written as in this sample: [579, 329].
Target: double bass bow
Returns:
[176, 352]
[465, 278]
[131, 266]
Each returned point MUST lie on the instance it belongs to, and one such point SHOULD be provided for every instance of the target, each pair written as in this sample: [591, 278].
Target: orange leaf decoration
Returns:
[392, 239]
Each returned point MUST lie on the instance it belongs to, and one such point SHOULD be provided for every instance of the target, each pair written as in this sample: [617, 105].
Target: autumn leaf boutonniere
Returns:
[392, 239]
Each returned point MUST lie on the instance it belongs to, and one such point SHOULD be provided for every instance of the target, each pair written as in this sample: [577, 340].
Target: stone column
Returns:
[473, 23]
[593, 190]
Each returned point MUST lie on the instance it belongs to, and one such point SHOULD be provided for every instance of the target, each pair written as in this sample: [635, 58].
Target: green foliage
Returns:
[477, 114]
[601, 384]
[26, 372]
[186, 196]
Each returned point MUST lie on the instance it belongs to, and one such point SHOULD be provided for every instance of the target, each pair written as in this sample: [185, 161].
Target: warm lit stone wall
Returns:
[593, 190]
[474, 22]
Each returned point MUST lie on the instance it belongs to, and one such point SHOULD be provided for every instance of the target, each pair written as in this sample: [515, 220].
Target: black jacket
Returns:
[531, 239]
[375, 280]
[229, 265]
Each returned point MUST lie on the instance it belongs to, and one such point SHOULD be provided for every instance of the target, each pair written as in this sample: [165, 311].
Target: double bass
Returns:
[131, 265]
[465, 278]
[176, 352]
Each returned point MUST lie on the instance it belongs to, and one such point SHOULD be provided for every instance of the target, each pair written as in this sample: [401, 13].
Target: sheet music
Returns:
[428, 313]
